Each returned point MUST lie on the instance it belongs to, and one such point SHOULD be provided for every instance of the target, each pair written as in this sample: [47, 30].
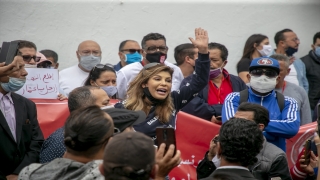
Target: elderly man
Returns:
[89, 55]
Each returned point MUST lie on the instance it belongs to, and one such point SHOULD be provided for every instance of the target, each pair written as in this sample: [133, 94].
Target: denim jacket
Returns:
[301, 74]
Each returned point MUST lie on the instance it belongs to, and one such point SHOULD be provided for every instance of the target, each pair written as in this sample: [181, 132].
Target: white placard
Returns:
[41, 84]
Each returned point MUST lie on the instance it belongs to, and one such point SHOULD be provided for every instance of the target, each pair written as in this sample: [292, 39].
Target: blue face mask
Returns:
[132, 58]
[290, 51]
[110, 90]
[317, 51]
[13, 85]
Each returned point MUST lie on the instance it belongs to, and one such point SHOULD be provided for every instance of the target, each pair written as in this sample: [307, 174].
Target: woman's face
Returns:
[264, 42]
[107, 78]
[159, 85]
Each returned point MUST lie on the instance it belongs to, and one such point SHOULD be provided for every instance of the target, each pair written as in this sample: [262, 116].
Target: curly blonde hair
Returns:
[137, 100]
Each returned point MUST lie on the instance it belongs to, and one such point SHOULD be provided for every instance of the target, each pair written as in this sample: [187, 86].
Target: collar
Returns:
[8, 95]
[225, 73]
[118, 66]
[233, 167]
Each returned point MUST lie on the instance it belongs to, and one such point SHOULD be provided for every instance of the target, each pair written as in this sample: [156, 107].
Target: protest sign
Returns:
[41, 84]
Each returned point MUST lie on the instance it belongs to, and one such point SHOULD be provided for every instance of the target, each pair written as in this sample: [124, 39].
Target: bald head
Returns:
[88, 47]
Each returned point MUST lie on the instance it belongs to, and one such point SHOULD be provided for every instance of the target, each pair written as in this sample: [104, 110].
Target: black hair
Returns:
[96, 72]
[240, 141]
[28, 44]
[123, 43]
[87, 130]
[49, 53]
[280, 36]
[81, 97]
[183, 50]
[221, 47]
[151, 36]
[249, 45]
[315, 37]
[261, 114]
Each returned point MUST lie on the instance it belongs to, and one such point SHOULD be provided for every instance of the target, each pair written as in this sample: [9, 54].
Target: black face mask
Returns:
[153, 100]
[157, 57]
[290, 51]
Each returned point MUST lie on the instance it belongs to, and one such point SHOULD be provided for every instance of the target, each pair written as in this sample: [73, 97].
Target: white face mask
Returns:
[266, 50]
[263, 84]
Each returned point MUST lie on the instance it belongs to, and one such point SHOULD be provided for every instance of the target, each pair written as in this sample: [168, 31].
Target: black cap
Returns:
[123, 118]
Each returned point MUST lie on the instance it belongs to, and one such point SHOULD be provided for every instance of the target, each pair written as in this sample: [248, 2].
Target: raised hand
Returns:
[201, 40]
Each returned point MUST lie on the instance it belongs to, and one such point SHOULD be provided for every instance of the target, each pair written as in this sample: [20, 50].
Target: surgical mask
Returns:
[110, 90]
[216, 161]
[214, 73]
[263, 84]
[107, 107]
[157, 57]
[13, 85]
[317, 51]
[132, 58]
[290, 51]
[30, 66]
[153, 100]
[89, 62]
[266, 50]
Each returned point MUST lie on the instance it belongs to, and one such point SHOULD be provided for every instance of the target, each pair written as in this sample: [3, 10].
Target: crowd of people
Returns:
[273, 94]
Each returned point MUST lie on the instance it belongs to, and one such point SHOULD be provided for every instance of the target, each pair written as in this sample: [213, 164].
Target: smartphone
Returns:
[8, 51]
[166, 135]
[4, 51]
[307, 152]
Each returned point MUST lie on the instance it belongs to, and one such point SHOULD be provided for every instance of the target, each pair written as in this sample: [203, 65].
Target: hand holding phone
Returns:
[307, 152]
[167, 136]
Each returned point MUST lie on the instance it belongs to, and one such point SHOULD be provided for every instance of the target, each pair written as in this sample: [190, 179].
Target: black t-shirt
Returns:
[243, 65]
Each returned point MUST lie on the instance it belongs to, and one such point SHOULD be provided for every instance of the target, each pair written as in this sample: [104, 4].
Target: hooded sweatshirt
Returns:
[62, 169]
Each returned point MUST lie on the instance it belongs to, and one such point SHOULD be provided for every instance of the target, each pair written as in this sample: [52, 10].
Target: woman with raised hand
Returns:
[151, 92]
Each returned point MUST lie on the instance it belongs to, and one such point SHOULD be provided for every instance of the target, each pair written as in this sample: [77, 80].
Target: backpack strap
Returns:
[280, 100]
[244, 95]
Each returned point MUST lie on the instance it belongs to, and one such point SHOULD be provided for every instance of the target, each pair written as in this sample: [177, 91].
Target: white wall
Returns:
[62, 24]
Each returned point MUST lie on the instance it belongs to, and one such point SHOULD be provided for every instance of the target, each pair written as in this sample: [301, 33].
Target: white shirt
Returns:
[72, 78]
[126, 74]
[292, 76]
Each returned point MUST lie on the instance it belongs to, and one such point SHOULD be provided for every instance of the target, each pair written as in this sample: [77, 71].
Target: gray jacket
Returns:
[62, 169]
[272, 162]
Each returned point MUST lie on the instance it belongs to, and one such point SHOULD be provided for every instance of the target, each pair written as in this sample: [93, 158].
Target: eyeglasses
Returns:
[116, 131]
[45, 64]
[27, 58]
[269, 72]
[153, 49]
[102, 66]
[132, 51]
[295, 40]
[88, 53]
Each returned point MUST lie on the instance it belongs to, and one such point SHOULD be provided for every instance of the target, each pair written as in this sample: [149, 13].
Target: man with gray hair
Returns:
[292, 90]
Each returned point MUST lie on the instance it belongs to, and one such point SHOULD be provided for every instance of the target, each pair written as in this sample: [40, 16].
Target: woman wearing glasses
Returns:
[257, 45]
[103, 76]
[151, 92]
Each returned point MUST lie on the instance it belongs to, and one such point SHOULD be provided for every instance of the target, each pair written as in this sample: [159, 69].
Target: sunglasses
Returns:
[269, 73]
[132, 51]
[28, 58]
[44, 64]
[102, 66]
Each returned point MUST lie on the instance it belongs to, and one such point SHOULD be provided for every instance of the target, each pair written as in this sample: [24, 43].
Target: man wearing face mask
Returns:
[287, 43]
[186, 56]
[312, 63]
[263, 77]
[154, 51]
[89, 55]
[21, 137]
[129, 52]
[208, 104]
